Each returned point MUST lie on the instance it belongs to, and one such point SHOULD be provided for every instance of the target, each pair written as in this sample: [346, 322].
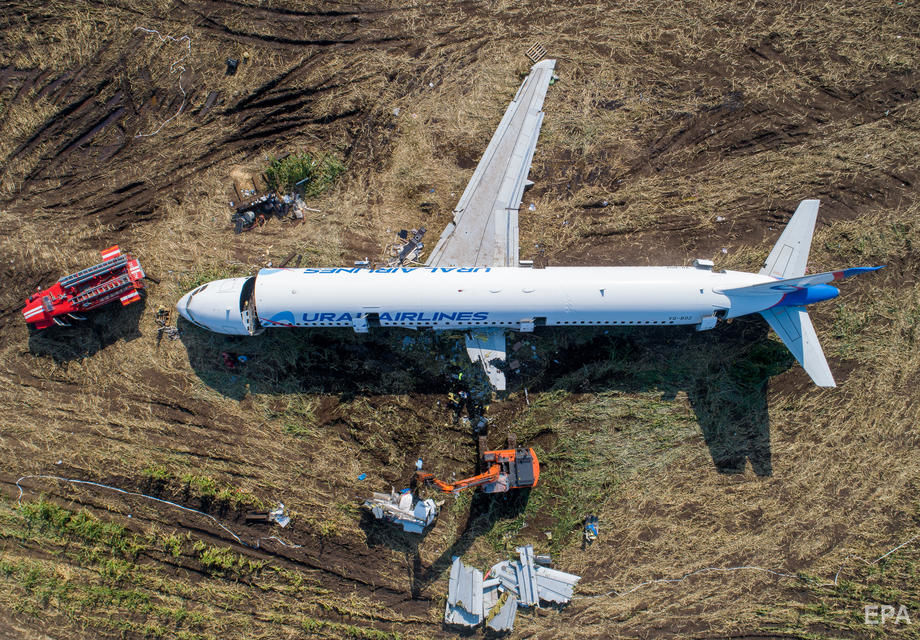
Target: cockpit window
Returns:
[188, 311]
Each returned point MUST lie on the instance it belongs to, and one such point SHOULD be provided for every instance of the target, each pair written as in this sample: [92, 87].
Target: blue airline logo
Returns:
[401, 316]
[399, 270]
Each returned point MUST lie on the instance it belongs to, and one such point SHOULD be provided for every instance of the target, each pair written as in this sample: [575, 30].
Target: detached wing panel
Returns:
[484, 231]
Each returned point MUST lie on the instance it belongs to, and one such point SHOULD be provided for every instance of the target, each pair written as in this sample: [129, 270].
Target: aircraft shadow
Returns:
[102, 327]
[329, 361]
[724, 372]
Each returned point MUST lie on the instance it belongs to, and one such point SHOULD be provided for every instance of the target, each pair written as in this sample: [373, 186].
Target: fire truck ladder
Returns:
[78, 278]
[110, 286]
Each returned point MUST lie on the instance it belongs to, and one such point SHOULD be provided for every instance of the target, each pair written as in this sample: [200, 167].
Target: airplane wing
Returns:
[484, 230]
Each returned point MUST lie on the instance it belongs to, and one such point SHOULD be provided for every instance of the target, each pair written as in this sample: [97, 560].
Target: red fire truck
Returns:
[119, 276]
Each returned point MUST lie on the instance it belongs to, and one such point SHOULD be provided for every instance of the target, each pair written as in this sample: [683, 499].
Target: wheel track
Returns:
[316, 556]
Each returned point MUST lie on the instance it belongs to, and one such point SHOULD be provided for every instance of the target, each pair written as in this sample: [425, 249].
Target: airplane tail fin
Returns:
[789, 317]
[790, 254]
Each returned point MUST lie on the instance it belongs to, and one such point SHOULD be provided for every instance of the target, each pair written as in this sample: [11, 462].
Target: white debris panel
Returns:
[504, 619]
[522, 582]
[464, 595]
[555, 586]
[403, 509]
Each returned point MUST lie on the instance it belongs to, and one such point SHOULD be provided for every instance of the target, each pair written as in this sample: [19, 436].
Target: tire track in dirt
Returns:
[86, 144]
[82, 162]
[738, 128]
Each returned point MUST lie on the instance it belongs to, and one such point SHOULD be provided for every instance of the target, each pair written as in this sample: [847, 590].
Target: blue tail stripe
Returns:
[855, 271]
[808, 295]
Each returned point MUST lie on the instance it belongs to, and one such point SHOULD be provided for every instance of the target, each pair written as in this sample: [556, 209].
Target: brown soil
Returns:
[702, 137]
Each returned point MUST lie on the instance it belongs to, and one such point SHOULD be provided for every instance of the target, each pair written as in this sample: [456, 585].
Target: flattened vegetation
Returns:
[676, 131]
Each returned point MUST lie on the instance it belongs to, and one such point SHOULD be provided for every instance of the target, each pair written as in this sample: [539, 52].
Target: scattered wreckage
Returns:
[404, 509]
[494, 598]
[255, 211]
[505, 469]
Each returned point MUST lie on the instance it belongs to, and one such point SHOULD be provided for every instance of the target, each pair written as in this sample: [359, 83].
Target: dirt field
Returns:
[675, 131]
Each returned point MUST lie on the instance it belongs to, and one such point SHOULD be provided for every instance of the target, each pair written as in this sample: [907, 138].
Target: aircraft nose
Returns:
[182, 304]
[216, 306]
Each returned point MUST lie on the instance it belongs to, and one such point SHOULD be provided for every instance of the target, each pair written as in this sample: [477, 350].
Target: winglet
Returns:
[790, 254]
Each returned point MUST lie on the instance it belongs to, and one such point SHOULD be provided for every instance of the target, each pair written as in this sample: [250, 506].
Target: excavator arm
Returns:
[508, 469]
[483, 478]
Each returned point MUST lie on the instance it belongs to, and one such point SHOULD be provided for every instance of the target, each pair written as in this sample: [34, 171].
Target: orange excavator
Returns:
[505, 469]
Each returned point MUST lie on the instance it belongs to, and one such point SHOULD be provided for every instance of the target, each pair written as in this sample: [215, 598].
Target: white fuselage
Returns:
[514, 298]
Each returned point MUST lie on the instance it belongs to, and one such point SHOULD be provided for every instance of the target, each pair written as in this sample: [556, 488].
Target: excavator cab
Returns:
[525, 469]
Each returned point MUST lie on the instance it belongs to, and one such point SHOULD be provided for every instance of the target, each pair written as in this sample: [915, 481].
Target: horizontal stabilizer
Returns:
[788, 285]
[790, 254]
[795, 329]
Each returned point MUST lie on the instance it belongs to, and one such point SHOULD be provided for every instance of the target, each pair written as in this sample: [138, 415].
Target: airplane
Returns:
[474, 281]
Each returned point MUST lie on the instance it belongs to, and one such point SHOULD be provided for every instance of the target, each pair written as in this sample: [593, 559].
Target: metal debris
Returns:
[254, 210]
[509, 584]
[277, 516]
[555, 586]
[464, 595]
[408, 248]
[403, 509]
[504, 619]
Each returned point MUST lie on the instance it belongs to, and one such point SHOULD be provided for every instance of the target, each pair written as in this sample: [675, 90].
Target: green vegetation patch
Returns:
[48, 517]
[96, 578]
[588, 445]
[319, 170]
